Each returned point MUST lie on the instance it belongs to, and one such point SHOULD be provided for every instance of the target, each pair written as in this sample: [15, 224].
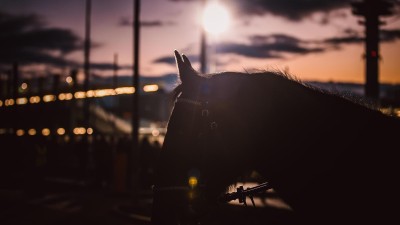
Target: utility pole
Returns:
[87, 63]
[133, 166]
[86, 103]
[371, 10]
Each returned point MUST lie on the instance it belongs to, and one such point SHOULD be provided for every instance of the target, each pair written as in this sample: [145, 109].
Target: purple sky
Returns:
[314, 39]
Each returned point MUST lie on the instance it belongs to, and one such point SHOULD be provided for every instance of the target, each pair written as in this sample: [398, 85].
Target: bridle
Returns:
[241, 194]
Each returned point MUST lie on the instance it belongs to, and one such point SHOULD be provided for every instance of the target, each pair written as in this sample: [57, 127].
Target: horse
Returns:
[333, 160]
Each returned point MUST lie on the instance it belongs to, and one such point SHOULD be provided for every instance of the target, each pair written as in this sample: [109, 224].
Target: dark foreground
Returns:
[61, 204]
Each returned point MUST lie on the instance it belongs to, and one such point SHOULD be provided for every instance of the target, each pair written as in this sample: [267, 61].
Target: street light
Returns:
[215, 21]
[216, 18]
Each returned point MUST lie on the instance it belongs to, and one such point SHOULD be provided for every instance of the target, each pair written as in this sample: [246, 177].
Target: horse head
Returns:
[194, 152]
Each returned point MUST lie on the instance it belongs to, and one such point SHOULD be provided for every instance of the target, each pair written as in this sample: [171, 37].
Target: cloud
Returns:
[270, 46]
[294, 10]
[354, 37]
[108, 66]
[171, 59]
[26, 40]
[389, 35]
[124, 21]
[260, 46]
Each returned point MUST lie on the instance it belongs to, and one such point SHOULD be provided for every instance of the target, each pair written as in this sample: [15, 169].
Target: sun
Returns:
[216, 18]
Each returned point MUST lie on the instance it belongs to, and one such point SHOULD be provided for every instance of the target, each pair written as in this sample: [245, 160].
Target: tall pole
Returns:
[203, 47]
[134, 167]
[86, 104]
[371, 10]
[372, 56]
[15, 95]
[86, 62]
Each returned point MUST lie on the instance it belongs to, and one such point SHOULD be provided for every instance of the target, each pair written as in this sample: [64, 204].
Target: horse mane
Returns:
[352, 97]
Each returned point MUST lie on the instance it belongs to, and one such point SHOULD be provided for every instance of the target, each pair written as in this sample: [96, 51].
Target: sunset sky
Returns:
[313, 40]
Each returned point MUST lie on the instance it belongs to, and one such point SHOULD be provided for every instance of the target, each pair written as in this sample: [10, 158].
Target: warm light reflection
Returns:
[60, 131]
[150, 88]
[9, 102]
[32, 131]
[80, 94]
[68, 96]
[89, 131]
[104, 92]
[69, 80]
[155, 132]
[46, 132]
[79, 130]
[24, 86]
[125, 90]
[216, 18]
[49, 98]
[90, 93]
[20, 132]
[61, 96]
[397, 112]
[22, 101]
[193, 182]
[34, 99]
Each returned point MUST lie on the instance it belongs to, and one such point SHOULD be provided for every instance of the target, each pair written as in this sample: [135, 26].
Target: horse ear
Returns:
[185, 69]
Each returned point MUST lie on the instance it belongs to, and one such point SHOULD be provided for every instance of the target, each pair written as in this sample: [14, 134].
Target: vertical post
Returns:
[371, 10]
[10, 76]
[133, 158]
[15, 85]
[203, 47]
[86, 62]
[372, 56]
[15, 80]
[86, 106]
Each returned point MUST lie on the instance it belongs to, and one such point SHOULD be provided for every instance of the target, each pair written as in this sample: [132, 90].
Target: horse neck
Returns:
[292, 122]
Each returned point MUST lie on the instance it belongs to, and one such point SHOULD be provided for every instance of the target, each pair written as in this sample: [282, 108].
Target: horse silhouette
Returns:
[332, 160]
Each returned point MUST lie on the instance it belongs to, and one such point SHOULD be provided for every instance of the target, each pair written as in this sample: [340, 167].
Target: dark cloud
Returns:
[184, 0]
[150, 23]
[344, 40]
[269, 46]
[26, 40]
[260, 46]
[108, 66]
[171, 59]
[293, 10]
[278, 46]
[354, 37]
[389, 35]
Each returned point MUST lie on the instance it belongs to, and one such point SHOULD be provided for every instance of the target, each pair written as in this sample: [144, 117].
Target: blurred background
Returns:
[86, 85]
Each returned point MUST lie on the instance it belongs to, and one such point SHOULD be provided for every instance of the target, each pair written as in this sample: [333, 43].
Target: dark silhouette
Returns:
[329, 158]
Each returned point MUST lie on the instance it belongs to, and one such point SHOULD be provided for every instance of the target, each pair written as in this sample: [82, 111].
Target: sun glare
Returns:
[216, 18]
